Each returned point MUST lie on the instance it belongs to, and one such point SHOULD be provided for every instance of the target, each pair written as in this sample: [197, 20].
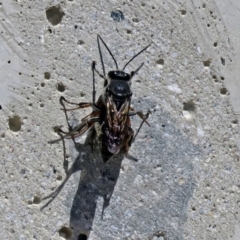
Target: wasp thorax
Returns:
[119, 90]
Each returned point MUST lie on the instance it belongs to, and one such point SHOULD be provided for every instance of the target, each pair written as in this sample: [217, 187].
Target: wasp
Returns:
[110, 116]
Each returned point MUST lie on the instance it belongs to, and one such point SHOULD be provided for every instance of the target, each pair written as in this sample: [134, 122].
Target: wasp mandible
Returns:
[110, 116]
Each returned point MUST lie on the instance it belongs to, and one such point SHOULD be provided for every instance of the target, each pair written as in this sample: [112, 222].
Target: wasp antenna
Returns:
[100, 53]
[94, 91]
[134, 72]
[136, 56]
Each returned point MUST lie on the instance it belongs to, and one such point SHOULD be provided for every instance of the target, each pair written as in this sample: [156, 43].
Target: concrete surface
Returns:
[186, 182]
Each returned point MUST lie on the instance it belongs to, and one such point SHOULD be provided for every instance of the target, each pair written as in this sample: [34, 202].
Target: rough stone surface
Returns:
[185, 184]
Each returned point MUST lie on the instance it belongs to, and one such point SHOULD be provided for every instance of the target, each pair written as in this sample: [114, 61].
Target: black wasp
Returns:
[110, 116]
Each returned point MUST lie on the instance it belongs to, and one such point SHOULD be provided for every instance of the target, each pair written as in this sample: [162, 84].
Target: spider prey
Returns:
[110, 116]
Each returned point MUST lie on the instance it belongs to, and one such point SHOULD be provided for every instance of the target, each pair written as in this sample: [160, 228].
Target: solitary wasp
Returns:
[110, 116]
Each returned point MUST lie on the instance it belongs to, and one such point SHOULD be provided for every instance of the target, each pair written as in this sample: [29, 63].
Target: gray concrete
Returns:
[185, 184]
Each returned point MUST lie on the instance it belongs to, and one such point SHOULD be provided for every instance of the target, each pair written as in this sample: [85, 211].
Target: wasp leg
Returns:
[92, 114]
[81, 128]
[128, 144]
[65, 161]
[80, 105]
[99, 74]
[144, 117]
[131, 157]
[78, 130]
[143, 120]
[91, 134]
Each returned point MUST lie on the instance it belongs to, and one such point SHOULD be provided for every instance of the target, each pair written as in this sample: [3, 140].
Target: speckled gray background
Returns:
[185, 184]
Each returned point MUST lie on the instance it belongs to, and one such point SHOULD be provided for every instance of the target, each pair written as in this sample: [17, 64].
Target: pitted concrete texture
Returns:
[185, 184]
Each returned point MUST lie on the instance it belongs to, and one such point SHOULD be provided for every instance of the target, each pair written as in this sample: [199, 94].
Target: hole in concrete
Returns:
[80, 42]
[188, 110]
[189, 106]
[129, 31]
[160, 235]
[9, 62]
[0, 107]
[14, 123]
[223, 91]
[215, 44]
[82, 94]
[54, 15]
[56, 129]
[235, 121]
[65, 232]
[135, 20]
[36, 200]
[41, 105]
[207, 63]
[183, 12]
[47, 75]
[54, 169]
[82, 237]
[117, 16]
[215, 78]
[42, 84]
[59, 177]
[222, 78]
[223, 61]
[60, 87]
[160, 62]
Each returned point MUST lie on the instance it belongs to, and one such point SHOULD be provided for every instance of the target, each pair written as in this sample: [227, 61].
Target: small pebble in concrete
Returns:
[117, 16]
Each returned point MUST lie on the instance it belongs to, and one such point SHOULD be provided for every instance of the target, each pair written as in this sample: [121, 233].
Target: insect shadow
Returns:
[109, 137]
[97, 179]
